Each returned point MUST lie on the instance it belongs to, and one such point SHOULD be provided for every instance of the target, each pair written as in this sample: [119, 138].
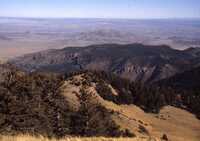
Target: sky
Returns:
[141, 9]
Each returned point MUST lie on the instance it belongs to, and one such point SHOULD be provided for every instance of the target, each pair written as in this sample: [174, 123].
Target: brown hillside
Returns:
[83, 105]
[168, 121]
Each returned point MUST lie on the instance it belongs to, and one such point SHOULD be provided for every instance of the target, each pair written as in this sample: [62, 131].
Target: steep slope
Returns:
[188, 80]
[39, 104]
[193, 51]
[168, 121]
[82, 93]
[53, 105]
[135, 61]
[187, 89]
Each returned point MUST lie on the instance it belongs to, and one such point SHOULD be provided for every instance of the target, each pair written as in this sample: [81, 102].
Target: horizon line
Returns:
[105, 18]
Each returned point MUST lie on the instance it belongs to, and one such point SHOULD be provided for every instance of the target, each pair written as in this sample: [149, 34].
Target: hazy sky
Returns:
[101, 8]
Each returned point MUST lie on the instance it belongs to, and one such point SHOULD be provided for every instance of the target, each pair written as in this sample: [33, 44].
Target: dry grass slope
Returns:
[79, 93]
[31, 138]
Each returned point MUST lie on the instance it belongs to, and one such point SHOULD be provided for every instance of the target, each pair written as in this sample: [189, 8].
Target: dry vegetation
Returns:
[31, 138]
[87, 105]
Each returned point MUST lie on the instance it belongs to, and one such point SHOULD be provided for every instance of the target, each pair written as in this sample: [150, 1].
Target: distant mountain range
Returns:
[136, 62]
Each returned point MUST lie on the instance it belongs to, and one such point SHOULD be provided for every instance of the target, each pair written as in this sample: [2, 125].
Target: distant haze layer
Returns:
[19, 36]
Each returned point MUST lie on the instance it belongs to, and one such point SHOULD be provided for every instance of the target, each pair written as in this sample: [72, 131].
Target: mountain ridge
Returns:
[136, 62]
